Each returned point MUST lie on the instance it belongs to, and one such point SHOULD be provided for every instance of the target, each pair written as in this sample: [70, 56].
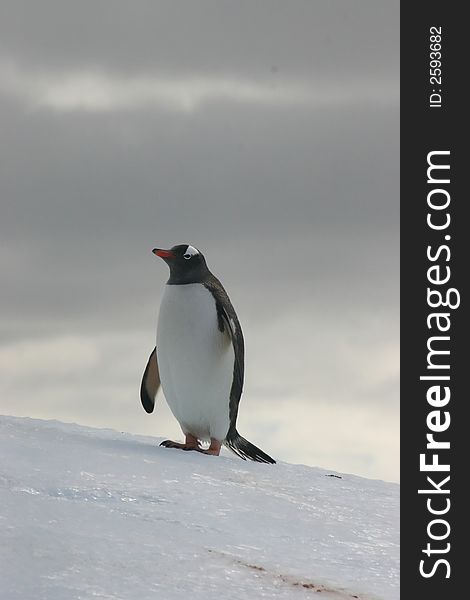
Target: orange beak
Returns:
[163, 253]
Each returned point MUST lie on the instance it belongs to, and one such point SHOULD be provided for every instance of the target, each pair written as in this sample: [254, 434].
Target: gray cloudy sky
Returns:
[263, 132]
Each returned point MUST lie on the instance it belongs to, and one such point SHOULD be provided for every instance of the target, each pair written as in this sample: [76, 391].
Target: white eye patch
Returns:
[190, 252]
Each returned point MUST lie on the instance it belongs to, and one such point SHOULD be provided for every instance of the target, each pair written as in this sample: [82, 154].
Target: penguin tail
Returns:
[245, 449]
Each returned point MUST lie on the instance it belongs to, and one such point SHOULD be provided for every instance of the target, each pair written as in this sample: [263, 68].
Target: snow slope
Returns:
[88, 513]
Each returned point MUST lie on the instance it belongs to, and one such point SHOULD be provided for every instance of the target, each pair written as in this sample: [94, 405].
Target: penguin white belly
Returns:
[195, 360]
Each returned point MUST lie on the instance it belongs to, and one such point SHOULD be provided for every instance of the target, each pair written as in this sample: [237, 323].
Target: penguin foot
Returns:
[191, 443]
[214, 448]
[171, 444]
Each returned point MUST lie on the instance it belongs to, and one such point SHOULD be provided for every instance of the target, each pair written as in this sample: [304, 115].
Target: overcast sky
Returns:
[265, 133]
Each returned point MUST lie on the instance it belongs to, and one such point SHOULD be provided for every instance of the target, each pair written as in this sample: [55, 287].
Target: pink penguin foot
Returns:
[191, 443]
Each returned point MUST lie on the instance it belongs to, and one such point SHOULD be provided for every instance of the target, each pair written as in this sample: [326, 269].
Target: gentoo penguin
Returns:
[199, 357]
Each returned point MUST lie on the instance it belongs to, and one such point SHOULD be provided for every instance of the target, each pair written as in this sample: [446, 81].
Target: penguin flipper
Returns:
[229, 325]
[150, 383]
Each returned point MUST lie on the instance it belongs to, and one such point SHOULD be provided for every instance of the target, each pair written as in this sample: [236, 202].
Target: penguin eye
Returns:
[187, 256]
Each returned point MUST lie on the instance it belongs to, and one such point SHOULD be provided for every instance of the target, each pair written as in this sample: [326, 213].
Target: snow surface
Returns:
[88, 513]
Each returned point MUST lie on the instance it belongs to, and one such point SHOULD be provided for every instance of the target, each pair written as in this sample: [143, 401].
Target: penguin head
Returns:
[186, 263]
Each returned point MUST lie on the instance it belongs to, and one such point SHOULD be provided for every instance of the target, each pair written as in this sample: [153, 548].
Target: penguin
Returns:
[199, 358]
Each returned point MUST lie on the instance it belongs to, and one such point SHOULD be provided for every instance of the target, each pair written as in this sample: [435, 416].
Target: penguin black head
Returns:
[186, 263]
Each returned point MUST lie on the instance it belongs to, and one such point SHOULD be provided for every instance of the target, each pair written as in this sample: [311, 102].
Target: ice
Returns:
[88, 513]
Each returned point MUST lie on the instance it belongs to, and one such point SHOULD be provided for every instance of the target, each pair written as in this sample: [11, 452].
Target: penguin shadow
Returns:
[128, 447]
[148, 448]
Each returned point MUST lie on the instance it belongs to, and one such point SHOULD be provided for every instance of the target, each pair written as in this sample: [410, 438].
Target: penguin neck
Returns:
[199, 275]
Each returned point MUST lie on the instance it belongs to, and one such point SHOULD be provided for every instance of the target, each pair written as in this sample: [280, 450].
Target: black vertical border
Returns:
[424, 129]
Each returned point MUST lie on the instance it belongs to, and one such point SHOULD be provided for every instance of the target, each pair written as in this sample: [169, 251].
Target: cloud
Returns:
[50, 357]
[94, 91]
[289, 406]
[329, 39]
[264, 133]
[352, 439]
